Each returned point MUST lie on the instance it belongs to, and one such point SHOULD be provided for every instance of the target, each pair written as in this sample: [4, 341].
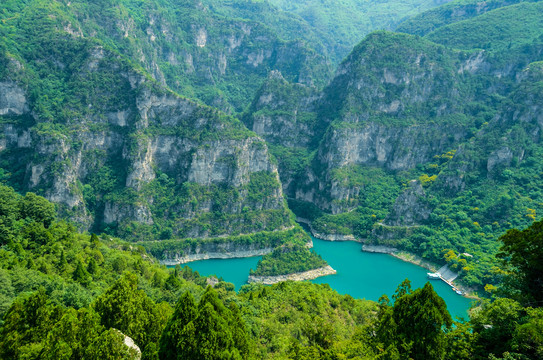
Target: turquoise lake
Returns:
[360, 274]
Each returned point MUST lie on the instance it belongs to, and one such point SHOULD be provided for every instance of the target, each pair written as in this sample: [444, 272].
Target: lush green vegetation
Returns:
[67, 295]
[288, 259]
[79, 83]
[471, 193]
[498, 30]
[164, 249]
[449, 13]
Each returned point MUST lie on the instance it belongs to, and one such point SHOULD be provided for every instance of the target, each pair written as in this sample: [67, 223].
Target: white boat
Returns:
[434, 276]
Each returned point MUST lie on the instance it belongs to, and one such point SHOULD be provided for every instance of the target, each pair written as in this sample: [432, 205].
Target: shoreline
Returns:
[399, 254]
[327, 237]
[300, 276]
[215, 255]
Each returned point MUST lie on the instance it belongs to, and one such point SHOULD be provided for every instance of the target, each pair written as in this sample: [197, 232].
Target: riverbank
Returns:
[327, 237]
[301, 276]
[402, 255]
[216, 255]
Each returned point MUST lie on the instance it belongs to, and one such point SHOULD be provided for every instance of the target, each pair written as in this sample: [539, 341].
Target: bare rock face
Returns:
[391, 147]
[410, 208]
[131, 346]
[12, 99]
[283, 113]
[498, 157]
[104, 168]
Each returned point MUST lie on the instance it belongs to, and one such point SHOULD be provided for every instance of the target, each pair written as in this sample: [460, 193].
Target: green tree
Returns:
[92, 266]
[26, 325]
[72, 336]
[522, 254]
[208, 331]
[413, 328]
[131, 311]
[177, 335]
[81, 275]
[528, 337]
[496, 325]
[38, 209]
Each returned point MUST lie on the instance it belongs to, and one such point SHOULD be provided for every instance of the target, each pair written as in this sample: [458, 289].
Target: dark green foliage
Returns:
[522, 252]
[207, 331]
[131, 311]
[81, 275]
[25, 323]
[414, 326]
[288, 259]
[177, 335]
[496, 325]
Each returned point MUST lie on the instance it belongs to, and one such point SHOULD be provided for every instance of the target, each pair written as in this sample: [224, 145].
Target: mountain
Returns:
[403, 147]
[449, 13]
[91, 129]
[429, 144]
[341, 24]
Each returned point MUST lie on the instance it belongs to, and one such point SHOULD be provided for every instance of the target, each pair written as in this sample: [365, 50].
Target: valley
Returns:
[139, 134]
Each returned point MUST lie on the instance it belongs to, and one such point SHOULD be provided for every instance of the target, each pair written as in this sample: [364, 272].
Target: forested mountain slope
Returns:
[449, 13]
[341, 24]
[405, 146]
[90, 129]
[427, 144]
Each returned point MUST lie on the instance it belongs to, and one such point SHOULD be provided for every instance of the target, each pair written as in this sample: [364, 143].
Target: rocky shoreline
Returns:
[328, 237]
[379, 249]
[216, 255]
[301, 276]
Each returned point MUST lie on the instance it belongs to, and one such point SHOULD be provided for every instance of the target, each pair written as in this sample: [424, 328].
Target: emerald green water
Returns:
[360, 274]
[368, 276]
[235, 270]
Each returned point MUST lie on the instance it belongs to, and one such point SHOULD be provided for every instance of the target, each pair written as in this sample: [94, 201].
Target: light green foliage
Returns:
[288, 259]
[341, 24]
[297, 319]
[449, 13]
[498, 30]
[162, 249]
[66, 320]
[37, 209]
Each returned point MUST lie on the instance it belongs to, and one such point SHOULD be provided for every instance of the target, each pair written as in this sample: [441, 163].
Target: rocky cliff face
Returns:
[198, 53]
[154, 162]
[283, 113]
[410, 208]
[388, 111]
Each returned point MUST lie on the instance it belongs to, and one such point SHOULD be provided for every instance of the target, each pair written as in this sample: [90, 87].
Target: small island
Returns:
[290, 262]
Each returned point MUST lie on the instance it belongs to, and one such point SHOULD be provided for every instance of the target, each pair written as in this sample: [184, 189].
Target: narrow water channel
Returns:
[360, 274]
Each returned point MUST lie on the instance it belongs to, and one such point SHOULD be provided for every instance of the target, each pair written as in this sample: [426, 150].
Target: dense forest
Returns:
[67, 295]
[138, 133]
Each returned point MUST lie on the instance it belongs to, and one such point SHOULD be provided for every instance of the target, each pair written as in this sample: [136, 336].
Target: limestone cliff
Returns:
[150, 165]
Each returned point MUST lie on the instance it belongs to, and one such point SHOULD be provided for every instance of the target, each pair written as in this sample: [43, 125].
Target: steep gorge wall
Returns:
[119, 164]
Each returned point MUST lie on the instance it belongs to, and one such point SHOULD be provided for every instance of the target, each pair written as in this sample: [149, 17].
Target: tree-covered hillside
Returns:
[342, 23]
[425, 144]
[84, 123]
[67, 295]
